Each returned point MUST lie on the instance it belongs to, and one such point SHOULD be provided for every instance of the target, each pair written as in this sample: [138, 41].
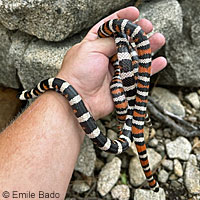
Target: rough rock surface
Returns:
[169, 21]
[169, 101]
[182, 48]
[149, 195]
[192, 175]
[179, 148]
[8, 73]
[109, 176]
[121, 192]
[87, 158]
[54, 20]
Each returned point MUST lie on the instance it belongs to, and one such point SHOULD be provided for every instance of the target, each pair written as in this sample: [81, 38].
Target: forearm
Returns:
[39, 150]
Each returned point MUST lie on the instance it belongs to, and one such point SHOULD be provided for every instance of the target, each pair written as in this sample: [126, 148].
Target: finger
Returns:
[157, 40]
[158, 64]
[146, 25]
[130, 13]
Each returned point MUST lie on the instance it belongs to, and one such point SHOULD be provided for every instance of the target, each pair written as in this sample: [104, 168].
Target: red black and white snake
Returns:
[129, 88]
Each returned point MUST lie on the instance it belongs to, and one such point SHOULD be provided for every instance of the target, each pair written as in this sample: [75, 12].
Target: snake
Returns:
[129, 89]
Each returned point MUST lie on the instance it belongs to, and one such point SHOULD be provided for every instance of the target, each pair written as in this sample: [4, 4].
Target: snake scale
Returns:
[129, 88]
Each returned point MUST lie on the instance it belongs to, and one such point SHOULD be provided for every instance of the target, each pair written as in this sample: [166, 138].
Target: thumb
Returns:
[104, 46]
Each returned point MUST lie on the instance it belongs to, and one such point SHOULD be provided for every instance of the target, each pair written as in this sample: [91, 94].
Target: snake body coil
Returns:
[129, 88]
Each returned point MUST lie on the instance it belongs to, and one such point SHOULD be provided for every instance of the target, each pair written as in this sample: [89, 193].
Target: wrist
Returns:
[74, 84]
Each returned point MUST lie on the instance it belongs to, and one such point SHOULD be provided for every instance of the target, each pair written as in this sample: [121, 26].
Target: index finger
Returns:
[130, 13]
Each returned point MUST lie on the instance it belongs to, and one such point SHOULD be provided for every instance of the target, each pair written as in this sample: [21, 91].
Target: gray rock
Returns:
[181, 50]
[153, 142]
[169, 22]
[8, 72]
[179, 148]
[163, 176]
[42, 60]
[121, 192]
[108, 176]
[169, 101]
[178, 169]
[80, 187]
[149, 195]
[192, 175]
[111, 134]
[168, 164]
[54, 20]
[87, 158]
[193, 99]
[173, 177]
[136, 173]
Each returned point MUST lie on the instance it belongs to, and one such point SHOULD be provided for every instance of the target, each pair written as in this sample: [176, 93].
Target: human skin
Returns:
[38, 151]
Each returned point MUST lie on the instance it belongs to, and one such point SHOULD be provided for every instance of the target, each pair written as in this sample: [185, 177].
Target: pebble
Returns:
[159, 132]
[193, 99]
[153, 142]
[163, 176]
[136, 174]
[111, 134]
[178, 169]
[175, 184]
[192, 175]
[173, 177]
[168, 164]
[169, 101]
[87, 158]
[160, 148]
[108, 176]
[179, 148]
[149, 195]
[192, 119]
[80, 187]
[121, 192]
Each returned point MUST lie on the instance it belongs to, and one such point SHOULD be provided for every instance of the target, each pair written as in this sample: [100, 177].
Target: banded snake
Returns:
[129, 88]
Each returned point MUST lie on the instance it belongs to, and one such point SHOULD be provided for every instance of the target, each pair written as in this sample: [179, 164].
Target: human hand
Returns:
[86, 65]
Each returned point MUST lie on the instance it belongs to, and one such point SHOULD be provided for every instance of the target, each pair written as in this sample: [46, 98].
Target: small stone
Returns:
[173, 177]
[193, 99]
[159, 132]
[169, 101]
[80, 187]
[175, 184]
[179, 148]
[160, 148]
[188, 111]
[149, 195]
[87, 158]
[108, 176]
[111, 134]
[163, 176]
[178, 169]
[168, 164]
[153, 142]
[121, 192]
[136, 173]
[192, 175]
[132, 151]
[192, 119]
[180, 180]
